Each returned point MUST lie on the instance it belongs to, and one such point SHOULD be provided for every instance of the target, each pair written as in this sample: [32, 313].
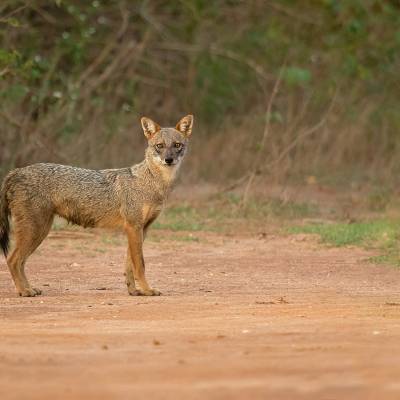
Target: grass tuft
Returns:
[382, 234]
[180, 218]
[215, 215]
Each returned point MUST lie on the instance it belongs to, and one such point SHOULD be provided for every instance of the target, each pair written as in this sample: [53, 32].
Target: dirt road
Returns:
[271, 318]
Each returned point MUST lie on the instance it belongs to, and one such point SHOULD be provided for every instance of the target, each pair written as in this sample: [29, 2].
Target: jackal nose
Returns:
[169, 161]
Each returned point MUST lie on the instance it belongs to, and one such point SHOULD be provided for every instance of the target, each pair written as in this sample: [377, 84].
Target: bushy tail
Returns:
[4, 220]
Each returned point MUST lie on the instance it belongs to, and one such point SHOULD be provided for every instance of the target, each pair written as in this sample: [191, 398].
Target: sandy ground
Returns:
[248, 318]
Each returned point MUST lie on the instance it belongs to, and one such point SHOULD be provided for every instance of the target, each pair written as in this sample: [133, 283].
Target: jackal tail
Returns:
[4, 220]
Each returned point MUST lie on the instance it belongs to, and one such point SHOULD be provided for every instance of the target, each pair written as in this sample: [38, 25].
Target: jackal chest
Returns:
[150, 213]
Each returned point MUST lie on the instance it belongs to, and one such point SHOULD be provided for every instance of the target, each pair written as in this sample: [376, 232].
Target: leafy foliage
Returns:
[75, 75]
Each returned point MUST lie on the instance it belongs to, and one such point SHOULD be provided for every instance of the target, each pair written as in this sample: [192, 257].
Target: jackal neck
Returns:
[163, 175]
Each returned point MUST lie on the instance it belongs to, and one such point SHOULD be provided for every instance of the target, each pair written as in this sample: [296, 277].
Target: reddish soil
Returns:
[248, 318]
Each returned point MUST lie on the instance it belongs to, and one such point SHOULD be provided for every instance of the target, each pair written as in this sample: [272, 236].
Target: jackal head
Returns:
[167, 146]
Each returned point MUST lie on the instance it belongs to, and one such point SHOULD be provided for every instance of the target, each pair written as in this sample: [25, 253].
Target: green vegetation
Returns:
[180, 218]
[76, 75]
[381, 234]
[111, 239]
[179, 236]
[270, 207]
[216, 215]
[225, 214]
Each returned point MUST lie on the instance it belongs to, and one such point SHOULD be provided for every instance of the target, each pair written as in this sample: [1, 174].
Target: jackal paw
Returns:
[153, 292]
[30, 292]
[149, 292]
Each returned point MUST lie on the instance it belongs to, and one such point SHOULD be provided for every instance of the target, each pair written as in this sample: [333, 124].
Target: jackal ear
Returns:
[185, 125]
[149, 127]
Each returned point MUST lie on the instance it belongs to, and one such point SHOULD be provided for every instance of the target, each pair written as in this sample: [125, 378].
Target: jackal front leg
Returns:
[129, 278]
[136, 263]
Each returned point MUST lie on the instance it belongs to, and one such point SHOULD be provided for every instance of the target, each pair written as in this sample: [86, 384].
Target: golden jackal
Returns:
[130, 198]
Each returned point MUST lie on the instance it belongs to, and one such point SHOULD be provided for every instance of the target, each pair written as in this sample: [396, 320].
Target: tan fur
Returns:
[127, 198]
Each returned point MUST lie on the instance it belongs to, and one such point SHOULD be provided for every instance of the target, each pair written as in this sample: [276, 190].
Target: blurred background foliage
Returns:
[75, 76]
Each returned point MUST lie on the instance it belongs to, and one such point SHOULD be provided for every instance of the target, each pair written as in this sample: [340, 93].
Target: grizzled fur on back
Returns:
[81, 196]
[129, 198]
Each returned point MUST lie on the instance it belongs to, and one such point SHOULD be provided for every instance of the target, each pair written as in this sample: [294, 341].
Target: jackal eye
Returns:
[178, 145]
[159, 146]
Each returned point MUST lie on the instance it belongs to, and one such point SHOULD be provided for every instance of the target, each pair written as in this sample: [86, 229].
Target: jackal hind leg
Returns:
[30, 228]
[129, 277]
[135, 268]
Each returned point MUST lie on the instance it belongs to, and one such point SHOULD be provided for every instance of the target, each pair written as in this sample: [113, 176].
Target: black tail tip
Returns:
[5, 242]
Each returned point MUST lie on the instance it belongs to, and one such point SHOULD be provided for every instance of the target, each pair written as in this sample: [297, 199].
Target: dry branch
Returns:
[214, 50]
[265, 135]
[107, 48]
[10, 119]
[259, 170]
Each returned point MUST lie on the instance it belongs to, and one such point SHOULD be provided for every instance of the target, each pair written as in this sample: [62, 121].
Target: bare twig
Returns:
[10, 119]
[306, 133]
[265, 134]
[50, 149]
[151, 81]
[215, 50]
[157, 26]
[13, 12]
[294, 15]
[45, 15]
[260, 71]
[108, 48]
[121, 58]
[4, 71]
[291, 146]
